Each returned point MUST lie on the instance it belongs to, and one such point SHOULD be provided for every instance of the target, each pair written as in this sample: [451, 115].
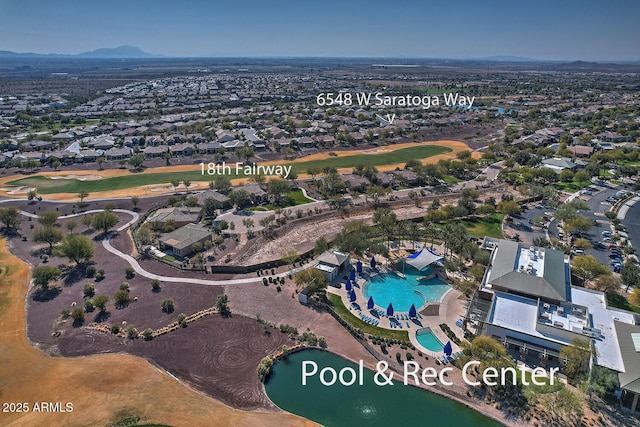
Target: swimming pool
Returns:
[428, 340]
[402, 292]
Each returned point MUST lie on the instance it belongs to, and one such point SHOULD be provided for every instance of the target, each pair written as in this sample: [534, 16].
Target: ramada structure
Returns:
[527, 302]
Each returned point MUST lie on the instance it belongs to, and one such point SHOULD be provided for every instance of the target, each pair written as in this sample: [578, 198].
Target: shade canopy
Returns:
[352, 275]
[352, 296]
[447, 348]
[373, 262]
[370, 303]
[348, 285]
[359, 267]
[390, 310]
[412, 311]
[423, 258]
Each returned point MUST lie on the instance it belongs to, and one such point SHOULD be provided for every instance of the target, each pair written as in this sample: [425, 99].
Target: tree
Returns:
[78, 316]
[10, 217]
[630, 275]
[321, 245]
[134, 201]
[375, 192]
[579, 223]
[246, 152]
[222, 304]
[607, 283]
[83, 194]
[132, 332]
[121, 298]
[239, 198]
[210, 207]
[588, 268]
[88, 290]
[312, 279]
[104, 221]
[221, 183]
[290, 256]
[634, 298]
[48, 234]
[582, 243]
[276, 188]
[601, 381]
[48, 219]
[147, 334]
[43, 275]
[77, 248]
[167, 306]
[136, 161]
[100, 161]
[509, 207]
[71, 225]
[577, 356]
[87, 220]
[332, 184]
[100, 302]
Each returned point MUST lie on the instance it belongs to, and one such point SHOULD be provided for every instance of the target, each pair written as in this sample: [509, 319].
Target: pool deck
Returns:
[451, 308]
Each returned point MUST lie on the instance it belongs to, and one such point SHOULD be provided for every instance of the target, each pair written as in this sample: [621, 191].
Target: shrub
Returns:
[147, 334]
[129, 273]
[409, 356]
[132, 332]
[182, 320]
[88, 305]
[121, 298]
[398, 357]
[322, 342]
[167, 306]
[89, 290]
[100, 275]
[78, 316]
[115, 329]
[90, 271]
[155, 285]
[124, 286]
[264, 368]
[65, 313]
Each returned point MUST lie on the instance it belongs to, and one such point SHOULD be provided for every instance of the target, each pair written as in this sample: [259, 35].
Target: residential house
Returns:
[182, 241]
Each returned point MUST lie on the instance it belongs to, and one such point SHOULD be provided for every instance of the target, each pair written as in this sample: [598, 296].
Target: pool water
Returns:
[402, 292]
[428, 340]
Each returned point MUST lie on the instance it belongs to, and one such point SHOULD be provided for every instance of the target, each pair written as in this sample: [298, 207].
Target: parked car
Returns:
[606, 233]
[578, 252]
[607, 240]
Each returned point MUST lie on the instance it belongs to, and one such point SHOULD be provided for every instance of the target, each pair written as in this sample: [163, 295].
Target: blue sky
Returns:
[571, 30]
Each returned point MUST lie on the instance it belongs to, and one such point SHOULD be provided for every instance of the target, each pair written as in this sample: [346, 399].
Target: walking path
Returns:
[106, 243]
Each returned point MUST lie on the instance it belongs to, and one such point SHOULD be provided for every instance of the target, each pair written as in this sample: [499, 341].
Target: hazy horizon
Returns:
[544, 30]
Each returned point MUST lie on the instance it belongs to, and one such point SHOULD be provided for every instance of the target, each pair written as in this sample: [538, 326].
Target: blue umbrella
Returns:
[390, 310]
[352, 296]
[359, 267]
[412, 311]
[349, 286]
[352, 275]
[447, 348]
[373, 262]
[370, 303]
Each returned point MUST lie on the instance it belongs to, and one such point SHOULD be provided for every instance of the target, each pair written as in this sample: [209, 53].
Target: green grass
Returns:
[618, 301]
[450, 179]
[169, 258]
[490, 225]
[571, 187]
[365, 327]
[50, 186]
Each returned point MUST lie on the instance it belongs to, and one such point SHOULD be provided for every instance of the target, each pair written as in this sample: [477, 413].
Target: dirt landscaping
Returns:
[98, 386]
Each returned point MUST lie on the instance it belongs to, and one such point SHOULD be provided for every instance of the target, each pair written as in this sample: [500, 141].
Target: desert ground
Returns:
[100, 387]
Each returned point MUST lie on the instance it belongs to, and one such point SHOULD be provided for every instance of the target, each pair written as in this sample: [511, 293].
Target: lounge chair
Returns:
[408, 326]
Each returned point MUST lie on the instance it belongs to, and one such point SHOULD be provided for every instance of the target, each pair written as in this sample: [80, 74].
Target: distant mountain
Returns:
[111, 53]
[510, 59]
[117, 52]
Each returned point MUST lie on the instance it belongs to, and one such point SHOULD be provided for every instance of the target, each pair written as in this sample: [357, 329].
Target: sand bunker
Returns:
[165, 188]
[78, 177]
[17, 190]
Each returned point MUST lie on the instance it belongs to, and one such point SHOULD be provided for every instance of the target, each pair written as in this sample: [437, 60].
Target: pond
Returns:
[367, 405]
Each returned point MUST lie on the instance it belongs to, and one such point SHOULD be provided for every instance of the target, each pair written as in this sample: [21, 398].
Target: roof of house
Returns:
[179, 214]
[629, 342]
[539, 273]
[186, 236]
[211, 194]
